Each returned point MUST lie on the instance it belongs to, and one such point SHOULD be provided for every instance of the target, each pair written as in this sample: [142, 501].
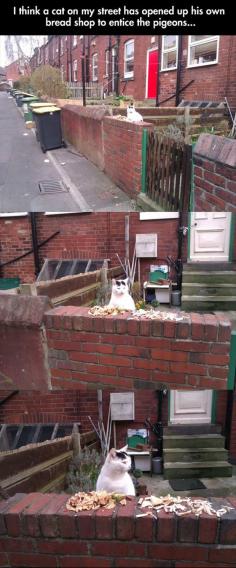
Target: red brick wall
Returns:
[215, 174]
[83, 127]
[87, 351]
[15, 239]
[123, 154]
[37, 530]
[97, 235]
[73, 406]
[58, 406]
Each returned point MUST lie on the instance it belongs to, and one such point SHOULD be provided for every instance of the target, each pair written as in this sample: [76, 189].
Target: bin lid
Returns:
[38, 104]
[44, 110]
[29, 98]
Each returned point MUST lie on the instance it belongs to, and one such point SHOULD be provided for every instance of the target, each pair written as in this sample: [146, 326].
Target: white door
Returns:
[210, 236]
[190, 407]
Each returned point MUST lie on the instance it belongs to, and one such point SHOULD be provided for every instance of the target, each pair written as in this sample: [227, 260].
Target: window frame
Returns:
[202, 42]
[164, 51]
[107, 51]
[75, 69]
[95, 78]
[75, 41]
[128, 74]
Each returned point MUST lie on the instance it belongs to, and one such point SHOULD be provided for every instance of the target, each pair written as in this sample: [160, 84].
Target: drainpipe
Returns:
[158, 72]
[178, 75]
[110, 65]
[118, 67]
[35, 243]
[228, 420]
[83, 72]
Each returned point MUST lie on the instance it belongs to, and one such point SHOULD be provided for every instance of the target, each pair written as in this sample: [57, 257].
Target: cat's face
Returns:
[119, 461]
[120, 286]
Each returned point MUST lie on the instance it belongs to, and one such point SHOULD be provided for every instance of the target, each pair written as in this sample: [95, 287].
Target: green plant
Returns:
[155, 303]
[137, 473]
[47, 80]
[83, 471]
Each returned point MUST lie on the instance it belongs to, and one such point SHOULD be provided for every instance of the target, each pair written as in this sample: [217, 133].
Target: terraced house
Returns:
[161, 70]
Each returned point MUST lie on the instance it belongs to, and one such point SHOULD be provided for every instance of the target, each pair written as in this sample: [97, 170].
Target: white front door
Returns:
[190, 407]
[210, 236]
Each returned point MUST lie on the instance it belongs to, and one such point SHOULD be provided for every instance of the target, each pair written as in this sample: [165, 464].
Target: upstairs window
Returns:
[75, 71]
[129, 59]
[74, 40]
[202, 50]
[95, 66]
[62, 45]
[169, 52]
[107, 62]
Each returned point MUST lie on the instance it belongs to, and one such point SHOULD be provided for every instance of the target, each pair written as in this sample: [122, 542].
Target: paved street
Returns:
[23, 165]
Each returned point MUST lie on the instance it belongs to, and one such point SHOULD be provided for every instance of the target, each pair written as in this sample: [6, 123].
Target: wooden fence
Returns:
[92, 90]
[168, 172]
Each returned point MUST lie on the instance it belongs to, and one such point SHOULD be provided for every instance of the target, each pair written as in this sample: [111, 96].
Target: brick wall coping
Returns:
[37, 530]
[125, 124]
[94, 112]
[27, 311]
[217, 149]
[78, 318]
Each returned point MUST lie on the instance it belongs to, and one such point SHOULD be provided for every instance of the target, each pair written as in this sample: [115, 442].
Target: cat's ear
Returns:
[127, 281]
[112, 453]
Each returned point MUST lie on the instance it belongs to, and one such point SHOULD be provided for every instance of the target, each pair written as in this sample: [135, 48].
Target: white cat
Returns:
[133, 115]
[120, 296]
[114, 477]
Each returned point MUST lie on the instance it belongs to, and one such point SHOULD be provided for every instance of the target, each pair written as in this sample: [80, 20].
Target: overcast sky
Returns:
[27, 48]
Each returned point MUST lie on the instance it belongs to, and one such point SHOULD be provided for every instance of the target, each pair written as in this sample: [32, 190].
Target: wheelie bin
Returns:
[48, 127]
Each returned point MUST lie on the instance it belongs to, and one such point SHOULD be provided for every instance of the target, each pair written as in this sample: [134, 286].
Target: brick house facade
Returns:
[15, 70]
[73, 406]
[148, 67]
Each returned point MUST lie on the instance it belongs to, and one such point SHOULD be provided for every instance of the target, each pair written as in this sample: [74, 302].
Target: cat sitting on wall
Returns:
[120, 296]
[114, 477]
[133, 115]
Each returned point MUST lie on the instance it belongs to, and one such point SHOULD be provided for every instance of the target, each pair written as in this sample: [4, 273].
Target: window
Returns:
[129, 59]
[107, 62]
[75, 70]
[202, 50]
[74, 40]
[169, 52]
[95, 66]
[62, 45]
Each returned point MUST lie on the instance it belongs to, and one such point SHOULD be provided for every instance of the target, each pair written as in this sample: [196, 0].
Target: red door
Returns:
[152, 74]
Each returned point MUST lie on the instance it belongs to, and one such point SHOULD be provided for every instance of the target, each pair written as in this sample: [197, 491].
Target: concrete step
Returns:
[190, 455]
[186, 429]
[206, 289]
[193, 441]
[208, 266]
[208, 303]
[210, 277]
[198, 469]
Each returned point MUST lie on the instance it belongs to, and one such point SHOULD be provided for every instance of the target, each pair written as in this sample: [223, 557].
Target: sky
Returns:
[27, 47]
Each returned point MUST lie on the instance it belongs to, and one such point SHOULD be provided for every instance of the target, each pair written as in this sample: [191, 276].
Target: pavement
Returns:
[215, 487]
[23, 165]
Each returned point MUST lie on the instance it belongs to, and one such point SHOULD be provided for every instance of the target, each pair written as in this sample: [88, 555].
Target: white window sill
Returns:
[169, 69]
[201, 65]
[152, 216]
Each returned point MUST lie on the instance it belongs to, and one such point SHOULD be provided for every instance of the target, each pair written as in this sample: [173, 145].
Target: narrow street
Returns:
[23, 166]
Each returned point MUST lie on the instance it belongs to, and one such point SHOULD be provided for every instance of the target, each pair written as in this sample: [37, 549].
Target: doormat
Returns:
[186, 484]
